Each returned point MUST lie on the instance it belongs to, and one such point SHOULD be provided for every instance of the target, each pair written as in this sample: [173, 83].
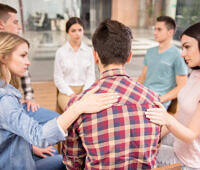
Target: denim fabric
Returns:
[54, 162]
[42, 115]
[18, 130]
[50, 162]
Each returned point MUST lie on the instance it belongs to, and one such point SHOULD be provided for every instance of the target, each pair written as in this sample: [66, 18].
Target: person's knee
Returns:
[54, 162]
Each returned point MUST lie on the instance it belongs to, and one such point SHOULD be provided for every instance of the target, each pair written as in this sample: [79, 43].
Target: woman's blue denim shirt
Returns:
[18, 131]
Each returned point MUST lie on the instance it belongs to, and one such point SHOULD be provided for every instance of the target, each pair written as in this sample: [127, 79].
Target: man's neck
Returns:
[164, 45]
[110, 67]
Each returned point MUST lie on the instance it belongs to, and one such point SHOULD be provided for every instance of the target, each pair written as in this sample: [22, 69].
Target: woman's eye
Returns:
[23, 55]
[187, 46]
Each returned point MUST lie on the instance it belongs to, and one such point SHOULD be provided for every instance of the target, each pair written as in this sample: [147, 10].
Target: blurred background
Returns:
[43, 23]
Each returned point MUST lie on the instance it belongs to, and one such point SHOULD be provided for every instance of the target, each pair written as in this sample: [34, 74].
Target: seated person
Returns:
[18, 130]
[165, 71]
[119, 137]
[74, 64]
[182, 145]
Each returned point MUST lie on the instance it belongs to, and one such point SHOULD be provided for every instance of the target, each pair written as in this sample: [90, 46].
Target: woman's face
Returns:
[18, 62]
[190, 51]
[75, 32]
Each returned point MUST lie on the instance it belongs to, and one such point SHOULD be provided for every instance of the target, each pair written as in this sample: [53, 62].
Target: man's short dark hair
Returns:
[4, 10]
[169, 22]
[112, 41]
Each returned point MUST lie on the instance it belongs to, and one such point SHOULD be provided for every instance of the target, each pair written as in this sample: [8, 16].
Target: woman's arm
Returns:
[14, 119]
[90, 103]
[185, 133]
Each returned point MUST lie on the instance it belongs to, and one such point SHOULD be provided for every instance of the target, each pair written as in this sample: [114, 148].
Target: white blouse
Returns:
[73, 68]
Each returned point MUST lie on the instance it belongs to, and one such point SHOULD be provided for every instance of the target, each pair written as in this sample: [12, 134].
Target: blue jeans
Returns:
[49, 163]
[54, 162]
[42, 115]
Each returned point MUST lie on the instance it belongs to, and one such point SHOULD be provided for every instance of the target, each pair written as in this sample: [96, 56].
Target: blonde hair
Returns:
[8, 43]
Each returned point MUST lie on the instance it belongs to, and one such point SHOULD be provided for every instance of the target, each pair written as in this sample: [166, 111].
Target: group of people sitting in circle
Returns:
[112, 122]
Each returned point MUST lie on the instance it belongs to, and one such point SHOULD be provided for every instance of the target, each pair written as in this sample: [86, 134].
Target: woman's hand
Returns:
[92, 103]
[42, 152]
[31, 105]
[89, 103]
[158, 115]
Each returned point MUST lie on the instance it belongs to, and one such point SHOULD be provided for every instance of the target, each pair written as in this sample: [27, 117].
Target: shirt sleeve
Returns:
[145, 59]
[72, 149]
[62, 131]
[26, 86]
[180, 66]
[15, 120]
[90, 74]
[59, 76]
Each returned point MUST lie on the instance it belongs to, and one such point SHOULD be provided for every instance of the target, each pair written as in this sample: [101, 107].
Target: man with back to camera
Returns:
[10, 23]
[164, 71]
[119, 137]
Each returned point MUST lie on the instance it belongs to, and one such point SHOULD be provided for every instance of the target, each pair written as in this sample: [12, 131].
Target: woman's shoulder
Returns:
[9, 90]
[62, 48]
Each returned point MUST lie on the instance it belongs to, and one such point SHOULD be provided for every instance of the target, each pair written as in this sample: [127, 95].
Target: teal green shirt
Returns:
[162, 69]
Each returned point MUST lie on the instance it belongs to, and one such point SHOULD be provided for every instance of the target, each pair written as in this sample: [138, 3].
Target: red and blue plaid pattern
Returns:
[116, 138]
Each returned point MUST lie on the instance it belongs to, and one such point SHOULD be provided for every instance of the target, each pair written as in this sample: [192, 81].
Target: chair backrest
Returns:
[173, 106]
[176, 166]
[58, 108]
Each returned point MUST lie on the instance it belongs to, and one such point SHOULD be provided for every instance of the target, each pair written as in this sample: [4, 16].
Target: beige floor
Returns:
[45, 94]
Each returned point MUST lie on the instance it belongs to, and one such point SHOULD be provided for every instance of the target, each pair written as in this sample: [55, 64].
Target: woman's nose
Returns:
[183, 53]
[27, 62]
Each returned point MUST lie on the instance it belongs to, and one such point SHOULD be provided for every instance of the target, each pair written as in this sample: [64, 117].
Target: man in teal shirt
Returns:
[165, 71]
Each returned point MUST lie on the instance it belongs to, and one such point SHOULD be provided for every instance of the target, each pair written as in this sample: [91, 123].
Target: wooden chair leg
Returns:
[176, 166]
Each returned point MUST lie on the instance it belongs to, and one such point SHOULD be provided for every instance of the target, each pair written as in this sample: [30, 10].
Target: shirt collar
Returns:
[6, 88]
[113, 72]
[196, 73]
[82, 47]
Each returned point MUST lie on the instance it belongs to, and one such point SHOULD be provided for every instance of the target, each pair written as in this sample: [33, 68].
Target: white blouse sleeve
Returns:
[90, 73]
[59, 76]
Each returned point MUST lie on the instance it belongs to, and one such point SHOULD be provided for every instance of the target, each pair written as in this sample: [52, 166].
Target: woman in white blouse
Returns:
[74, 69]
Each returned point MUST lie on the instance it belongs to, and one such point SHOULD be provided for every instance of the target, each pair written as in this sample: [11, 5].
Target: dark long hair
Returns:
[194, 32]
[72, 21]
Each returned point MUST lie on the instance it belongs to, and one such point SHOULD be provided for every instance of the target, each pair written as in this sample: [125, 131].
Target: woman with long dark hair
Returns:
[185, 127]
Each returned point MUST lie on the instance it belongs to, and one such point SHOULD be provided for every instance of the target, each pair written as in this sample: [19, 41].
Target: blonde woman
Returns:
[17, 129]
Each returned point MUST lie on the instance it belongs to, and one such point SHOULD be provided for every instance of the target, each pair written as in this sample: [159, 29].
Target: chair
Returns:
[175, 166]
[58, 108]
[173, 106]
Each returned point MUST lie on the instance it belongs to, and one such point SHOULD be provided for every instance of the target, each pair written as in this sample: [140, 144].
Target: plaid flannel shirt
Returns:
[26, 86]
[120, 137]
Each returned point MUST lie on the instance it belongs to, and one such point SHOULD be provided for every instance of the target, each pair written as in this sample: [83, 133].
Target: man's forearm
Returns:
[141, 79]
[170, 95]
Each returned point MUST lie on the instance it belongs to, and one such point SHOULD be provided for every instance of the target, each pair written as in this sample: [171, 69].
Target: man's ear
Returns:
[96, 57]
[129, 57]
[171, 32]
